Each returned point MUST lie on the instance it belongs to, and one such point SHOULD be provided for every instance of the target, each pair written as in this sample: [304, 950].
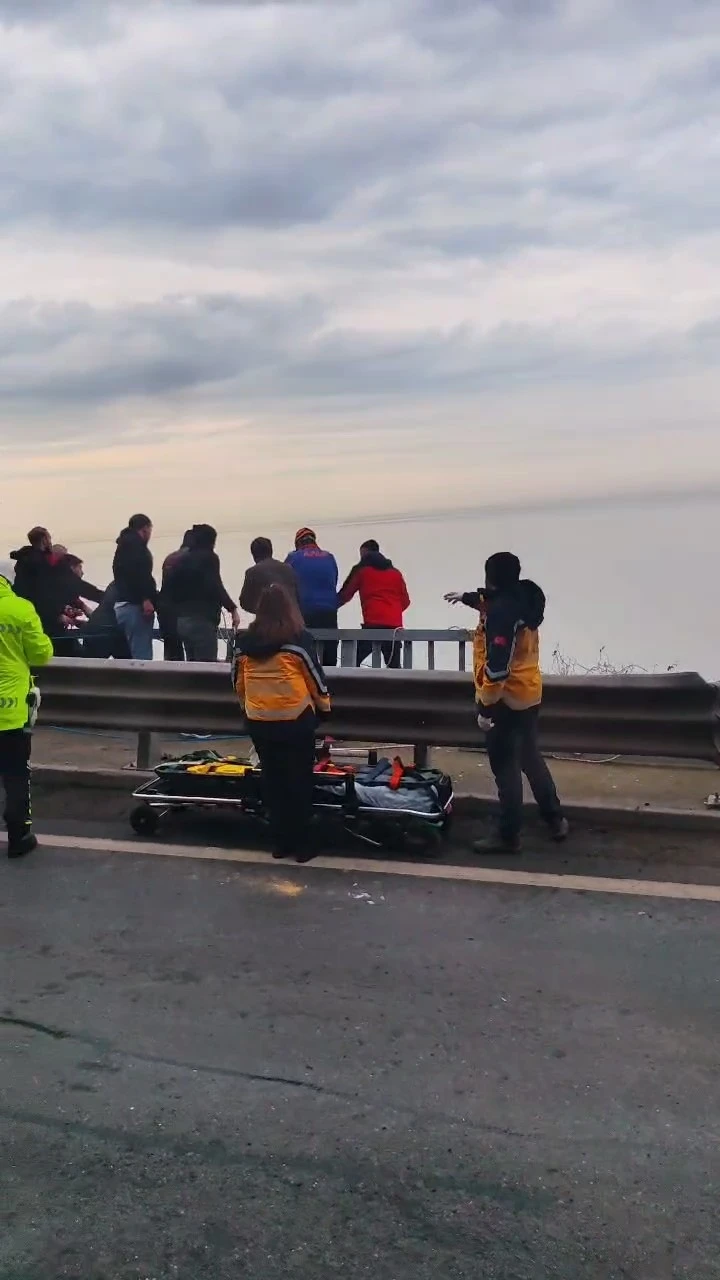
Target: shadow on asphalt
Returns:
[591, 850]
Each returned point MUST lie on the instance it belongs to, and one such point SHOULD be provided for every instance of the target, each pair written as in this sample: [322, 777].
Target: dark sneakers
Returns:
[559, 829]
[20, 846]
[496, 846]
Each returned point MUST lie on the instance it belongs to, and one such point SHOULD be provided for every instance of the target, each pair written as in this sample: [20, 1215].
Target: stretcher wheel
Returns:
[144, 820]
[422, 838]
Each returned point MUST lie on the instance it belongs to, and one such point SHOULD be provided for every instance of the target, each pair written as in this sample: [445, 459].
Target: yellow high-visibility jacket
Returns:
[506, 647]
[23, 644]
[279, 682]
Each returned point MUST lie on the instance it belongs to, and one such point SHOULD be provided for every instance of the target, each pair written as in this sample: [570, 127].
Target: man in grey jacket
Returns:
[265, 572]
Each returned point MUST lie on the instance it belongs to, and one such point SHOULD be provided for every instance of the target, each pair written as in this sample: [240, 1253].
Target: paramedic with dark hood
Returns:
[135, 587]
[508, 690]
[316, 572]
[193, 589]
[383, 599]
[23, 643]
[282, 690]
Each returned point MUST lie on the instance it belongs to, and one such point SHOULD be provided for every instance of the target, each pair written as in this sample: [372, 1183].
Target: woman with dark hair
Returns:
[282, 690]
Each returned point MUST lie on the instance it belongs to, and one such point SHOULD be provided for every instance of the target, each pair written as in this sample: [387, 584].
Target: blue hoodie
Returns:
[317, 578]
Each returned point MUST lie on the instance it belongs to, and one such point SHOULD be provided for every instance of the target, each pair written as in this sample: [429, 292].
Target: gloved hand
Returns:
[484, 722]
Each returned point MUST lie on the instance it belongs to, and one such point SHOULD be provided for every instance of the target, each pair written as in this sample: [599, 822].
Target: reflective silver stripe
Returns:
[302, 653]
[502, 675]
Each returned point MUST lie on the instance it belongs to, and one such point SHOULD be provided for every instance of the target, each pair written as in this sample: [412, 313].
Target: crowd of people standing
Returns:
[278, 676]
[187, 602]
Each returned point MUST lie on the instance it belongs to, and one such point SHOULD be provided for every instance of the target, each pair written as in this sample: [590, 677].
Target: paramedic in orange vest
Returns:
[282, 690]
[508, 690]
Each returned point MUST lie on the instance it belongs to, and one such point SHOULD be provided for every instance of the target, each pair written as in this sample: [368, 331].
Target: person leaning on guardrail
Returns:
[263, 573]
[383, 598]
[23, 644]
[508, 688]
[282, 690]
[316, 573]
[194, 590]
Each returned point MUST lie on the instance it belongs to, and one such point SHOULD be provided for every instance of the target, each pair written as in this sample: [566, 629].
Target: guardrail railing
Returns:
[671, 715]
[422, 648]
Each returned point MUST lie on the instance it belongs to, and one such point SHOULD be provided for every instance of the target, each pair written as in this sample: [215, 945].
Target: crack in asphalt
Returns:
[252, 1077]
[54, 1032]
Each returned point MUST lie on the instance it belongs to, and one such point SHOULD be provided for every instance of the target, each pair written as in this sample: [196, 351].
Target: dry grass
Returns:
[565, 665]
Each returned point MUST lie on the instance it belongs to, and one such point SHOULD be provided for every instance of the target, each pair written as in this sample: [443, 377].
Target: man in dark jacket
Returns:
[167, 617]
[47, 576]
[264, 573]
[508, 692]
[36, 580]
[383, 599]
[316, 572]
[195, 592]
[135, 586]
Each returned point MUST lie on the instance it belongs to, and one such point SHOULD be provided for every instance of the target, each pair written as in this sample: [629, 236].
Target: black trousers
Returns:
[173, 650]
[15, 774]
[391, 650]
[324, 620]
[198, 637]
[67, 646]
[513, 750]
[287, 758]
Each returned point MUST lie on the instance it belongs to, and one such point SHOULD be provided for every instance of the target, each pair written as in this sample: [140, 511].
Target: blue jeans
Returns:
[138, 630]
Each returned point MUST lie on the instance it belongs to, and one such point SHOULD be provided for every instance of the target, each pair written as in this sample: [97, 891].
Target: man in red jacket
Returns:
[383, 599]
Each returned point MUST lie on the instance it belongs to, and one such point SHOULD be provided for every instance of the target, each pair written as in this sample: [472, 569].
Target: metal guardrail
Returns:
[675, 716]
[452, 643]
[408, 640]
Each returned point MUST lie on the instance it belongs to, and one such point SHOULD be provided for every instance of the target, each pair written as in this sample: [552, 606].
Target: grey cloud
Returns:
[77, 353]
[255, 350]
[394, 103]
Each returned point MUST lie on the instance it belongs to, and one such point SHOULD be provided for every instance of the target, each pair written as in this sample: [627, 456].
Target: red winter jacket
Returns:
[383, 594]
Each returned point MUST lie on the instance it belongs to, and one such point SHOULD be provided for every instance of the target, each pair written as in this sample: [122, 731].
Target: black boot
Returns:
[21, 841]
[497, 846]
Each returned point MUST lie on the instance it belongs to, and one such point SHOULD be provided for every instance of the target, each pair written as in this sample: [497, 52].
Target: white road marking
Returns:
[421, 870]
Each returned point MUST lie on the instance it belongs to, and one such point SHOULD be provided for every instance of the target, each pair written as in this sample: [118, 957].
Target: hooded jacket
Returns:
[48, 583]
[277, 683]
[316, 572]
[382, 590]
[193, 587]
[133, 570]
[506, 648]
[23, 644]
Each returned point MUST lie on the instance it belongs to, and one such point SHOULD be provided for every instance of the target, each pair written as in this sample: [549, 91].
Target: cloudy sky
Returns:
[313, 260]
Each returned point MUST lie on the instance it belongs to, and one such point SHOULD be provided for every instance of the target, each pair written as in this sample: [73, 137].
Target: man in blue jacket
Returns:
[316, 572]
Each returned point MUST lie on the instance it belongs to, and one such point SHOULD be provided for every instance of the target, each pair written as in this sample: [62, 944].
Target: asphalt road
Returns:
[210, 1071]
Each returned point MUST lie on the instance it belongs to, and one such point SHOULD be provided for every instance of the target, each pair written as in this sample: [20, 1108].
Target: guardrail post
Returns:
[421, 755]
[462, 655]
[348, 653]
[144, 750]
[407, 655]
[431, 655]
[376, 654]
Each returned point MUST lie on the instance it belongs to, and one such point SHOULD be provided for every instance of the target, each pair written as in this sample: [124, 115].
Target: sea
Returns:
[631, 585]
